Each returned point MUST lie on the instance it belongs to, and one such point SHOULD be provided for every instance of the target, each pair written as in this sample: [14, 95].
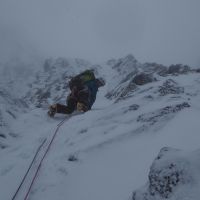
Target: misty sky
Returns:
[163, 31]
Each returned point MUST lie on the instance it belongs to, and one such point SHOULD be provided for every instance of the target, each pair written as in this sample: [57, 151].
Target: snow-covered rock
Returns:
[178, 69]
[10, 108]
[131, 74]
[170, 87]
[173, 175]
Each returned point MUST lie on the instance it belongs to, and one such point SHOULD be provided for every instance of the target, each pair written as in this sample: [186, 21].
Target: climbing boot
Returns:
[81, 107]
[52, 110]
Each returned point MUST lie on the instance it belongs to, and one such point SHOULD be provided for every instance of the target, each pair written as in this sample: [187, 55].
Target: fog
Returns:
[163, 31]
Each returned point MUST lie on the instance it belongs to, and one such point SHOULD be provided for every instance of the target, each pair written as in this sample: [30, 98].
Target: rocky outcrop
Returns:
[171, 171]
[178, 69]
[10, 107]
[155, 68]
[170, 87]
[124, 90]
[142, 79]
[131, 75]
[159, 118]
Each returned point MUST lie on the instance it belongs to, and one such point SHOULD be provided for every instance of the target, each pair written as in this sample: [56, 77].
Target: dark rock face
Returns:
[178, 69]
[133, 107]
[153, 117]
[127, 69]
[169, 171]
[2, 135]
[170, 87]
[2, 123]
[124, 90]
[155, 68]
[121, 91]
[142, 79]
[2, 141]
[197, 70]
[72, 158]
[2, 132]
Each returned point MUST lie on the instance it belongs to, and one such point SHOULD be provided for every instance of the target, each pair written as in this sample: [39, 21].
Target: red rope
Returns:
[31, 164]
[41, 161]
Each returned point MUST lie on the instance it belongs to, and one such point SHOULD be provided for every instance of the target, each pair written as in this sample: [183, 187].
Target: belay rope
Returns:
[30, 166]
[40, 163]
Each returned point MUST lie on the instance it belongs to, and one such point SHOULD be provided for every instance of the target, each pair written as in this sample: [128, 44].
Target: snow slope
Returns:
[107, 152]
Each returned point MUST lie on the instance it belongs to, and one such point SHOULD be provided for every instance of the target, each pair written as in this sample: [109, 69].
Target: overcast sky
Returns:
[163, 31]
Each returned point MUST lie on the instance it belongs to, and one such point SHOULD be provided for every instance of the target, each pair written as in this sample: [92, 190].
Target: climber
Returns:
[84, 89]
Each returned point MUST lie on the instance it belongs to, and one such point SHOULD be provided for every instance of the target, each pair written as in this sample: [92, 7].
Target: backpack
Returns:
[81, 79]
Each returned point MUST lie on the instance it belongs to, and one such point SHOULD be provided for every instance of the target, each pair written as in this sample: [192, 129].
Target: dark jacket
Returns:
[85, 94]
